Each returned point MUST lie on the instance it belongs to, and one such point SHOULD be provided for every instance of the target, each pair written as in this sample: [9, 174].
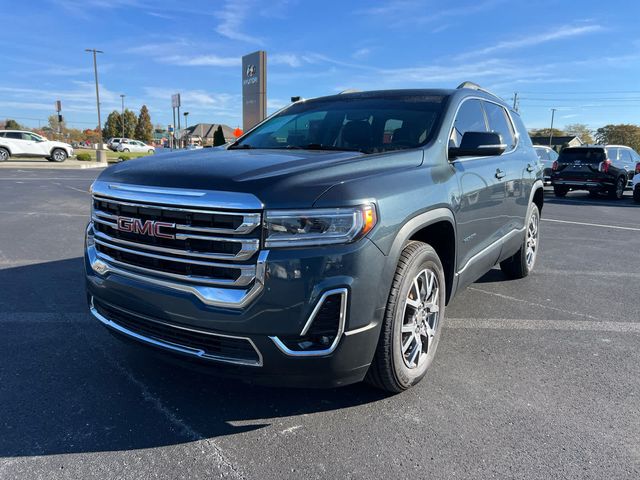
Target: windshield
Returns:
[365, 124]
[586, 155]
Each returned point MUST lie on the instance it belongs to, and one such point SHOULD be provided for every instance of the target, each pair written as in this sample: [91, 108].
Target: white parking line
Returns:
[519, 324]
[633, 229]
[533, 304]
[50, 214]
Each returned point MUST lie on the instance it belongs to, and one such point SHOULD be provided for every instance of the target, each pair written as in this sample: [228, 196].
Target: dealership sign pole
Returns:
[254, 89]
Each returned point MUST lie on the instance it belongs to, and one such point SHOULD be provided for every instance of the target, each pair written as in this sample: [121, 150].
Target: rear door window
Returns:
[612, 153]
[14, 135]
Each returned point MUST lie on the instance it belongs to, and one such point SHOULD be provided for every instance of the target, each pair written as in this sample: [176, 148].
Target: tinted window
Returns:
[612, 153]
[16, 135]
[2, 134]
[585, 155]
[553, 155]
[470, 118]
[366, 123]
[499, 122]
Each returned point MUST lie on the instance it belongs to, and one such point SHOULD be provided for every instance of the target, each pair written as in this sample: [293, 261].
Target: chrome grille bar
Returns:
[248, 246]
[249, 220]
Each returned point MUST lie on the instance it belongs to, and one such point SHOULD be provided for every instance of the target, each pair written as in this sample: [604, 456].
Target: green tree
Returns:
[11, 124]
[580, 130]
[130, 124]
[545, 132]
[113, 126]
[218, 137]
[621, 134]
[144, 127]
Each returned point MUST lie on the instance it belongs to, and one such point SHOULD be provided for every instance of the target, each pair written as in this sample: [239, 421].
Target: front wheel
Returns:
[412, 322]
[617, 192]
[58, 155]
[521, 264]
[151, 152]
[636, 195]
[4, 155]
[125, 150]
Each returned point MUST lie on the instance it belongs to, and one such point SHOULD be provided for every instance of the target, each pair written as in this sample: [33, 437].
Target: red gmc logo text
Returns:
[149, 227]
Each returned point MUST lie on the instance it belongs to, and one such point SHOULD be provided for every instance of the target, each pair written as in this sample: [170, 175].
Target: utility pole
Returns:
[100, 154]
[173, 134]
[515, 101]
[178, 130]
[553, 113]
[122, 95]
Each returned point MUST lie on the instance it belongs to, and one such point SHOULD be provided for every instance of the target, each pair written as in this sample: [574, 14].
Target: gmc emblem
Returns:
[149, 227]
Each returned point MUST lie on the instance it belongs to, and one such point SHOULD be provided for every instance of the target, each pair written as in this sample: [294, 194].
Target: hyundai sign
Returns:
[254, 89]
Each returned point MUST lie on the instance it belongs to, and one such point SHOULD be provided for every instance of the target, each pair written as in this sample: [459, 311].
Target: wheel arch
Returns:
[7, 148]
[537, 195]
[437, 228]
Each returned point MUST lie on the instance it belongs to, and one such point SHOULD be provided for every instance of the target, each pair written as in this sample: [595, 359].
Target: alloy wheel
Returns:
[532, 241]
[420, 319]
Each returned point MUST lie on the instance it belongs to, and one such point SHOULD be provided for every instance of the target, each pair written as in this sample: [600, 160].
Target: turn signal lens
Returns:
[370, 219]
[638, 167]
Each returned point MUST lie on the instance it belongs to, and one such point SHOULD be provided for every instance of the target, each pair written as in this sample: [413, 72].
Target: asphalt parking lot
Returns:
[536, 378]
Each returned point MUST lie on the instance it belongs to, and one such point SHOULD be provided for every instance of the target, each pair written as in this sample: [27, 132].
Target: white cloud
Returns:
[536, 39]
[289, 59]
[361, 53]
[201, 60]
[232, 16]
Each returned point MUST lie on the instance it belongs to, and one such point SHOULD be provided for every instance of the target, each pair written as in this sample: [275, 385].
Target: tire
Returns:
[617, 192]
[125, 150]
[151, 152]
[395, 368]
[560, 191]
[594, 194]
[58, 155]
[522, 262]
[4, 155]
[636, 194]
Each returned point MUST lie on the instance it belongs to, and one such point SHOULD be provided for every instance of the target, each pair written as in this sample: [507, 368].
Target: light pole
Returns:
[553, 112]
[122, 95]
[186, 114]
[100, 154]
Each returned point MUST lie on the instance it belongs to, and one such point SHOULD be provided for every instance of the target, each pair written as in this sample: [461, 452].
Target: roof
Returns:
[560, 140]
[206, 130]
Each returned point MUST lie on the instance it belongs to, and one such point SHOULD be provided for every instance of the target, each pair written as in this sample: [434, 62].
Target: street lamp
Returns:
[186, 114]
[101, 155]
[122, 95]
[553, 113]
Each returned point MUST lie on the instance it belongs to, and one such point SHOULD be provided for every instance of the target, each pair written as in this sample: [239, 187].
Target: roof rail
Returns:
[475, 86]
[349, 90]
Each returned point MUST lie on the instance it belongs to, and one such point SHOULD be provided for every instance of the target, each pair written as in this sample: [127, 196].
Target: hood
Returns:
[280, 179]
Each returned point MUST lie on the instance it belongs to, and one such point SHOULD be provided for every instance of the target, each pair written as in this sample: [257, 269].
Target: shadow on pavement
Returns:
[67, 386]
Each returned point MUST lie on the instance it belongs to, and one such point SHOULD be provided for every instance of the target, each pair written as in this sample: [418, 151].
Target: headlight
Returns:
[316, 226]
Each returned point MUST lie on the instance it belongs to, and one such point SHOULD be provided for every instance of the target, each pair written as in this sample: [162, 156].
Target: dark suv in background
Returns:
[597, 169]
[323, 246]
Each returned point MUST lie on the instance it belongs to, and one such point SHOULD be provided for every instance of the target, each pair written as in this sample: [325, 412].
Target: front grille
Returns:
[199, 246]
[204, 344]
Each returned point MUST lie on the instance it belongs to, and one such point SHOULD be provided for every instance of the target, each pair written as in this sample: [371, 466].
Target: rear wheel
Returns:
[521, 264]
[125, 150]
[560, 191]
[636, 195]
[412, 322]
[4, 155]
[58, 155]
[618, 191]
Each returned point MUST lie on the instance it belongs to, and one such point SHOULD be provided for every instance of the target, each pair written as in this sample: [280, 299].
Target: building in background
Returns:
[557, 143]
[202, 133]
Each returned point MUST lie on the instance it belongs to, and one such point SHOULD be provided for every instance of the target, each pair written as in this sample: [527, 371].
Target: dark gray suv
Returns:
[323, 246]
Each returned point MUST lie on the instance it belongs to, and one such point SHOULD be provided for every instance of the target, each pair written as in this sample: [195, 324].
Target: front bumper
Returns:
[293, 283]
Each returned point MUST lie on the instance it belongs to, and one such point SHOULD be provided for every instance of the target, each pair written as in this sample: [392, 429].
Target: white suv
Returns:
[19, 143]
[128, 145]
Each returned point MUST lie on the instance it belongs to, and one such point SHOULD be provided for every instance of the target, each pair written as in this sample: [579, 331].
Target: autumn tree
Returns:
[545, 132]
[144, 127]
[621, 134]
[580, 130]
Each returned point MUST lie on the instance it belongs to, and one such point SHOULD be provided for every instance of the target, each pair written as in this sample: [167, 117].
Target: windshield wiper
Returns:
[320, 146]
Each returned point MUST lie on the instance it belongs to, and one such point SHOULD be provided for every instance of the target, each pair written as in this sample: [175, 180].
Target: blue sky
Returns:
[581, 57]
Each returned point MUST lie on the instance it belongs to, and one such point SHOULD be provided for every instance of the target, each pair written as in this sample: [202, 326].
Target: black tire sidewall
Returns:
[425, 258]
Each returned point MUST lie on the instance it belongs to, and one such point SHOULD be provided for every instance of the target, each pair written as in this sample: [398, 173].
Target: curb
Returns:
[53, 165]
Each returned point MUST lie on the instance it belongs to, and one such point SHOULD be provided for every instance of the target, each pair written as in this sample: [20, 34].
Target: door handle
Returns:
[500, 174]
[530, 168]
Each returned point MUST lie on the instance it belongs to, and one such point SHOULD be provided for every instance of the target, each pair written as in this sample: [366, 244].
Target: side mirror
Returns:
[478, 144]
